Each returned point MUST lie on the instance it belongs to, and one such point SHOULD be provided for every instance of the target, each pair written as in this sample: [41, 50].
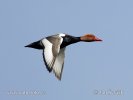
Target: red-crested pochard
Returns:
[54, 49]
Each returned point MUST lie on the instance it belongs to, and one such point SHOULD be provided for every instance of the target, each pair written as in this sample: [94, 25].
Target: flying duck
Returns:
[54, 49]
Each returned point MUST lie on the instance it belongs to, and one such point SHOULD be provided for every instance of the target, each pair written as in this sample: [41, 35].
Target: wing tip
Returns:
[58, 77]
[49, 69]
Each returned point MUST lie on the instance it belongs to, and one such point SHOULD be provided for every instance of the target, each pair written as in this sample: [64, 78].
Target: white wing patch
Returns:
[59, 63]
[48, 55]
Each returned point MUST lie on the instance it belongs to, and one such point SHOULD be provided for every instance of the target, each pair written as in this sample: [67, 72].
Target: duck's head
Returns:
[89, 38]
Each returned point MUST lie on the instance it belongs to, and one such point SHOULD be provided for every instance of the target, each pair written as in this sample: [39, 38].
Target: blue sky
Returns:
[102, 67]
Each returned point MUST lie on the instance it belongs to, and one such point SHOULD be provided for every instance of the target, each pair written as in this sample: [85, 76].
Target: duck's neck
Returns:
[67, 40]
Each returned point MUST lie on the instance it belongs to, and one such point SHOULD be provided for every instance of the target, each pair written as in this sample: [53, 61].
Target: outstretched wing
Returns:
[59, 63]
[51, 50]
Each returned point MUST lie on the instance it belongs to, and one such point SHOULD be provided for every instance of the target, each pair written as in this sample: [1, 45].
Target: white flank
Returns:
[61, 34]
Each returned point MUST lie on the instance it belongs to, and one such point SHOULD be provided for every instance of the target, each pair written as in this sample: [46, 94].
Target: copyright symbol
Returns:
[95, 92]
